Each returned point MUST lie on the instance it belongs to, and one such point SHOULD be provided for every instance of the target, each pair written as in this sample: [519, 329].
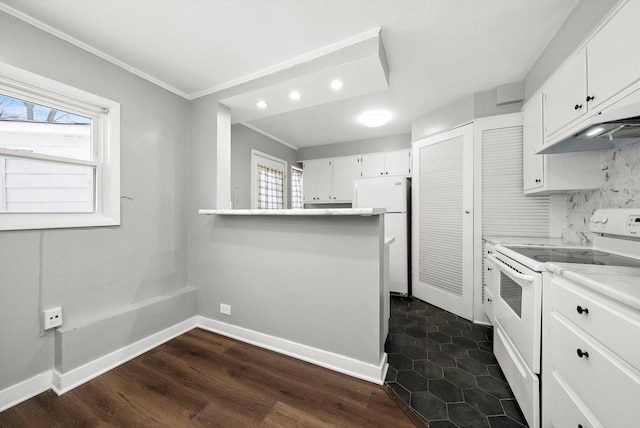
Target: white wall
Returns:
[94, 272]
[481, 104]
[349, 148]
[243, 140]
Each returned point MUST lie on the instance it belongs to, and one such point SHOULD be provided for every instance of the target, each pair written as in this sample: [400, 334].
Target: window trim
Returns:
[24, 84]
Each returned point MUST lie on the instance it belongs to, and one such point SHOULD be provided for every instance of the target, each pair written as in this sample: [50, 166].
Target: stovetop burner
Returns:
[575, 255]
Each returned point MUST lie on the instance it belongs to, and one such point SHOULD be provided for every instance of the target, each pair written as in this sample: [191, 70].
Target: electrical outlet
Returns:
[52, 318]
[225, 309]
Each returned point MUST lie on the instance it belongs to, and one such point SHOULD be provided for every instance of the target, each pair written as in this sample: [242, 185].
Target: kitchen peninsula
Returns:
[306, 283]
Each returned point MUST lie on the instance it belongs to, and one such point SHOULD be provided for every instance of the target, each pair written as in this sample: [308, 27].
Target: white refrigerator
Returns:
[393, 194]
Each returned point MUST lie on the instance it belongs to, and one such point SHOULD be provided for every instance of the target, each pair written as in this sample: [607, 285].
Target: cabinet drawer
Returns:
[614, 326]
[601, 381]
[489, 249]
[523, 382]
[566, 409]
[488, 304]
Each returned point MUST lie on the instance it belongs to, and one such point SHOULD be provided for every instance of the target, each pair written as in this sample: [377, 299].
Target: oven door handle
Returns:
[508, 270]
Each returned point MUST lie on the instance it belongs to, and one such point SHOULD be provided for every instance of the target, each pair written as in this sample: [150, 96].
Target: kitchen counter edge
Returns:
[366, 212]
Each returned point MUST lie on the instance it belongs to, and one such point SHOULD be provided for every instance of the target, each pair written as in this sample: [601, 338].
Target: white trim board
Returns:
[64, 382]
[16, 394]
[336, 362]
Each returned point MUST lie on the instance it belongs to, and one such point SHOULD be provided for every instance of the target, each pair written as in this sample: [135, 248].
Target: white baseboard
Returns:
[63, 382]
[24, 390]
[336, 362]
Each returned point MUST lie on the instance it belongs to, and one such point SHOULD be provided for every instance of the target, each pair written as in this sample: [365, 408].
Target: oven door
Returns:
[518, 307]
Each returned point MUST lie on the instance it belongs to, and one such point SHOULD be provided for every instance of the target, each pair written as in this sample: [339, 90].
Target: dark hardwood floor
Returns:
[204, 379]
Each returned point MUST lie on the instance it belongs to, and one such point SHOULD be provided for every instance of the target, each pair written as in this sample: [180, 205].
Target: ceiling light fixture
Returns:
[374, 118]
[337, 84]
[294, 95]
[261, 104]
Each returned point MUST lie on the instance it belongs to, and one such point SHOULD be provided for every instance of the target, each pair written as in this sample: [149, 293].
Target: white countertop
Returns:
[299, 212]
[620, 283]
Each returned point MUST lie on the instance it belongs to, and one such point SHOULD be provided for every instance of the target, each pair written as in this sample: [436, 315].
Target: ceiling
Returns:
[438, 51]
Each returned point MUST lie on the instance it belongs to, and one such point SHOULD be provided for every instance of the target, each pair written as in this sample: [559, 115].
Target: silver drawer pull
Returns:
[582, 353]
[582, 310]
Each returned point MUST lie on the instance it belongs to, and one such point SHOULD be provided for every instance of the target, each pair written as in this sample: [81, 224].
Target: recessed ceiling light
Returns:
[261, 104]
[374, 118]
[337, 84]
[294, 95]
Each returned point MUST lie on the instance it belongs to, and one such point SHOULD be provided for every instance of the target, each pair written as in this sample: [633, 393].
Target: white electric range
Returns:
[514, 274]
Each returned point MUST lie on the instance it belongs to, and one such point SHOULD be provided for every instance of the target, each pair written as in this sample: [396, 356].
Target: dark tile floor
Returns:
[444, 368]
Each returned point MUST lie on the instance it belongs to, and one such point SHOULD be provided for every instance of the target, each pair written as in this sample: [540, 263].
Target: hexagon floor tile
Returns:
[443, 367]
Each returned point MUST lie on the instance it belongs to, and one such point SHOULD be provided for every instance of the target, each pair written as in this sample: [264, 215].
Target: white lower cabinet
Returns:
[488, 283]
[591, 372]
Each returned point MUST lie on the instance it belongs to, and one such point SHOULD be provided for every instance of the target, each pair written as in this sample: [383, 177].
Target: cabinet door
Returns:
[565, 94]
[372, 165]
[397, 163]
[532, 164]
[310, 181]
[324, 186]
[612, 62]
[345, 170]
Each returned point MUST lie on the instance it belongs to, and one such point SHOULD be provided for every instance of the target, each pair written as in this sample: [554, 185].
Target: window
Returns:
[297, 201]
[59, 155]
[270, 188]
[268, 181]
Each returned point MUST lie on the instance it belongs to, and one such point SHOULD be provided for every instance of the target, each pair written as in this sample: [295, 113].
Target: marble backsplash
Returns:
[620, 187]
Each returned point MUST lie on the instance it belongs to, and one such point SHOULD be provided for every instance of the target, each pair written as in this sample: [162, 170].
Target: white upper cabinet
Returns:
[565, 95]
[613, 62]
[331, 180]
[397, 163]
[559, 173]
[599, 72]
[345, 170]
[386, 164]
[532, 164]
[372, 165]
[318, 181]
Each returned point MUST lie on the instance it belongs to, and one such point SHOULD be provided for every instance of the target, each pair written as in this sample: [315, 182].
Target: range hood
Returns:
[614, 126]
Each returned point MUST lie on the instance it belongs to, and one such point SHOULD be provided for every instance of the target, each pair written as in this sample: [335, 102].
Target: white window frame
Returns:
[105, 113]
[255, 155]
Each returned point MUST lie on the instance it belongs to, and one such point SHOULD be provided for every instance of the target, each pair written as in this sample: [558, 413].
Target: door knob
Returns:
[577, 107]
[467, 211]
[582, 353]
[582, 310]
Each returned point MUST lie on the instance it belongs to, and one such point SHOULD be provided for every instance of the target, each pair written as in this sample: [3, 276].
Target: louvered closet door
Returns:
[443, 221]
